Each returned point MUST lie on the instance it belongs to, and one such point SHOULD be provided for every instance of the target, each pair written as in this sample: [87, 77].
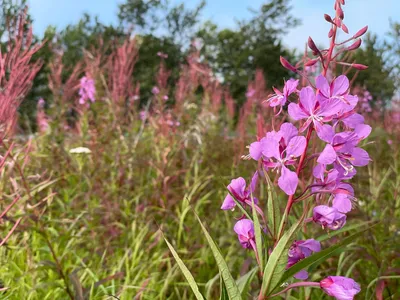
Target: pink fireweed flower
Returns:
[342, 149]
[237, 188]
[245, 231]
[155, 90]
[331, 182]
[316, 112]
[342, 288]
[300, 250]
[337, 90]
[87, 90]
[165, 97]
[279, 150]
[328, 217]
[280, 98]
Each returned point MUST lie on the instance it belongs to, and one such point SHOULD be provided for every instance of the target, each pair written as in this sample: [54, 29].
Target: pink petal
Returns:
[307, 99]
[288, 181]
[228, 203]
[296, 112]
[296, 146]
[340, 85]
[288, 131]
[325, 133]
[360, 157]
[327, 156]
[322, 84]
[342, 203]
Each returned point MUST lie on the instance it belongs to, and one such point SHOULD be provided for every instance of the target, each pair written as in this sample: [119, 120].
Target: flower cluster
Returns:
[322, 113]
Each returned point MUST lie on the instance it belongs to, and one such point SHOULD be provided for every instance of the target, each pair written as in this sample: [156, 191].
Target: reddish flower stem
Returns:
[298, 170]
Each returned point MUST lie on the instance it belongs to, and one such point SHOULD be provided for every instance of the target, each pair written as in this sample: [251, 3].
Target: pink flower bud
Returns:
[344, 28]
[361, 32]
[355, 45]
[330, 34]
[311, 62]
[359, 67]
[287, 65]
[328, 18]
[340, 12]
[312, 46]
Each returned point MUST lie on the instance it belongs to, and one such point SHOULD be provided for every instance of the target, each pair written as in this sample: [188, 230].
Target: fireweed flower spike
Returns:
[327, 109]
[300, 250]
[280, 98]
[342, 288]
[280, 150]
[87, 90]
[237, 188]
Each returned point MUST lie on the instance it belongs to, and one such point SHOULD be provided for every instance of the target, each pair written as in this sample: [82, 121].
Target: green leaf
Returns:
[344, 229]
[318, 257]
[224, 292]
[230, 284]
[275, 268]
[258, 234]
[245, 281]
[189, 277]
[273, 207]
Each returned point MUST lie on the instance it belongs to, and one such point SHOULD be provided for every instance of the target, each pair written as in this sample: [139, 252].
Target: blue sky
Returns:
[358, 13]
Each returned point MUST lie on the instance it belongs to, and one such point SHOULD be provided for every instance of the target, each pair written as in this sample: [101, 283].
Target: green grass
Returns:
[98, 237]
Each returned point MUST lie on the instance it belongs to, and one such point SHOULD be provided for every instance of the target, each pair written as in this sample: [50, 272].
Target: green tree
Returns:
[378, 78]
[256, 43]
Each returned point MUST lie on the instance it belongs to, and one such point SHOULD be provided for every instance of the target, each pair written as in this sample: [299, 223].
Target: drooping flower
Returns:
[87, 90]
[245, 231]
[328, 217]
[279, 150]
[316, 112]
[237, 188]
[342, 288]
[330, 182]
[300, 250]
[280, 98]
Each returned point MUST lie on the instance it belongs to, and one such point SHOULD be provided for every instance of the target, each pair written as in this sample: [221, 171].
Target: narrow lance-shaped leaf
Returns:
[275, 268]
[230, 284]
[189, 277]
[258, 235]
[245, 281]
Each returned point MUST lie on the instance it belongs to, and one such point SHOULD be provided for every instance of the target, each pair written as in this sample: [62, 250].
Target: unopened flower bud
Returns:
[330, 34]
[344, 28]
[355, 45]
[287, 65]
[312, 46]
[361, 32]
[311, 62]
[359, 66]
[328, 18]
